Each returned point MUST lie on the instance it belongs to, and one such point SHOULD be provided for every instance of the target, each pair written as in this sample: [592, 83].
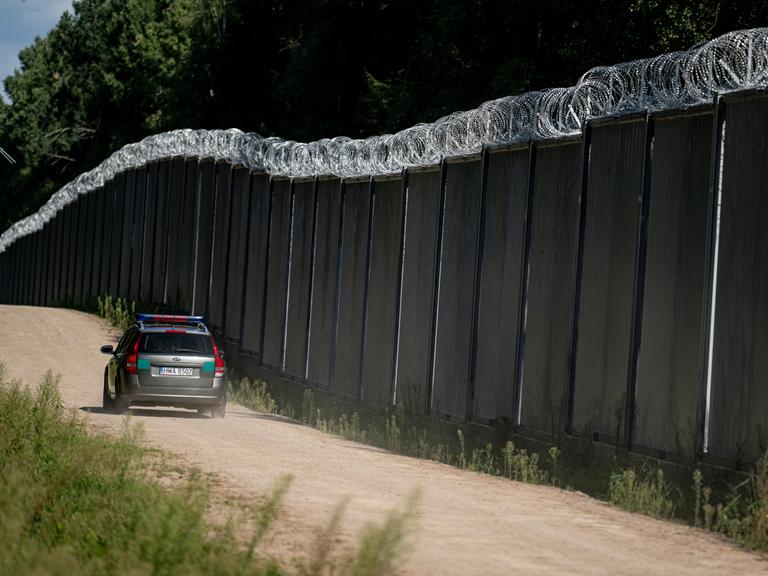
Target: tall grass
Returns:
[74, 503]
[396, 431]
[646, 492]
[117, 312]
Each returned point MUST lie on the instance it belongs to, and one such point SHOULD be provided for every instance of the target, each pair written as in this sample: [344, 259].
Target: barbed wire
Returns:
[734, 61]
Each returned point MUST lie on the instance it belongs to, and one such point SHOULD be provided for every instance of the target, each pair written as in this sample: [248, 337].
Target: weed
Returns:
[646, 493]
[253, 394]
[117, 312]
[484, 461]
[522, 466]
[709, 510]
[757, 532]
[697, 485]
[382, 546]
[392, 434]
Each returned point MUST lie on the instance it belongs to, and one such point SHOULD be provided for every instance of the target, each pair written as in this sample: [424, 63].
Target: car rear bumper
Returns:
[178, 396]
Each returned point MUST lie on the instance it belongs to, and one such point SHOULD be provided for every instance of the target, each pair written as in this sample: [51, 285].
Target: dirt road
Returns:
[468, 523]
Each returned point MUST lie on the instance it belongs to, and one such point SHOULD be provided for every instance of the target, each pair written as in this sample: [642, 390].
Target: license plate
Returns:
[175, 371]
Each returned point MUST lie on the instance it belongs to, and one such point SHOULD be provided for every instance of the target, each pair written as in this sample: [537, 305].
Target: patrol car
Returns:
[166, 360]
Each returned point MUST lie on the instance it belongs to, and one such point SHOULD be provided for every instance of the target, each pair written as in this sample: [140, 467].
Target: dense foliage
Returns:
[114, 71]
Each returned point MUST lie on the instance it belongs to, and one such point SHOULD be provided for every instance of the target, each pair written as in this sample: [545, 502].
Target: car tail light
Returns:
[132, 359]
[219, 363]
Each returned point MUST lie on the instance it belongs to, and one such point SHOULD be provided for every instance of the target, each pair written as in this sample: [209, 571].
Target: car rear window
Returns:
[176, 343]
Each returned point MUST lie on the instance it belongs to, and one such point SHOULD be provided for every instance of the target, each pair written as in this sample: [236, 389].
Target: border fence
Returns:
[610, 285]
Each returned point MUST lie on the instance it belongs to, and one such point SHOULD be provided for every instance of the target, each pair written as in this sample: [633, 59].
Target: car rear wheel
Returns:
[120, 405]
[204, 411]
[107, 403]
[219, 410]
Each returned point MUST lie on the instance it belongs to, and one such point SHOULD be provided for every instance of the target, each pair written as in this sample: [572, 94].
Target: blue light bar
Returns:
[169, 319]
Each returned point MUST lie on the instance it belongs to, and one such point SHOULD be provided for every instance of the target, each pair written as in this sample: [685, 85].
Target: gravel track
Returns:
[468, 523]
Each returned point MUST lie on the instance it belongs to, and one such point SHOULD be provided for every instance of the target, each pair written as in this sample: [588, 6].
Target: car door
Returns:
[116, 363]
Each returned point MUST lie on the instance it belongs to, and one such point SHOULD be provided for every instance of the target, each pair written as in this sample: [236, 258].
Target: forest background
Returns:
[114, 71]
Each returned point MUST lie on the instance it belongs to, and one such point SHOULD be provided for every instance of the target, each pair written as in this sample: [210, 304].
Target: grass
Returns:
[80, 504]
[739, 512]
[396, 431]
[646, 492]
[118, 312]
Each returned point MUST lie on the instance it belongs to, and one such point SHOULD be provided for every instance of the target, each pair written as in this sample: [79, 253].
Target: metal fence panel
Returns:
[670, 360]
[738, 424]
[123, 215]
[136, 201]
[89, 236]
[256, 261]
[51, 262]
[66, 235]
[90, 243]
[419, 266]
[35, 267]
[41, 264]
[4, 276]
[45, 257]
[12, 274]
[353, 274]
[176, 184]
[150, 222]
[299, 283]
[30, 268]
[608, 277]
[383, 292]
[206, 189]
[237, 250]
[277, 273]
[82, 229]
[74, 221]
[53, 247]
[58, 246]
[106, 237]
[187, 236]
[18, 271]
[501, 274]
[21, 270]
[554, 229]
[98, 242]
[221, 230]
[324, 289]
[160, 232]
[456, 290]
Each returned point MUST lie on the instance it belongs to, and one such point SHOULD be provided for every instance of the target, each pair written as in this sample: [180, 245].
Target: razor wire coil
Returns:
[734, 61]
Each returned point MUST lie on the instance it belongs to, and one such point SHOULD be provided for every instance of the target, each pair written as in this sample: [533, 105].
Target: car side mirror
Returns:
[221, 354]
[107, 349]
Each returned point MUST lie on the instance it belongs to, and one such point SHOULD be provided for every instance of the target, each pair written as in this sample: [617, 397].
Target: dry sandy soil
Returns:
[468, 523]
